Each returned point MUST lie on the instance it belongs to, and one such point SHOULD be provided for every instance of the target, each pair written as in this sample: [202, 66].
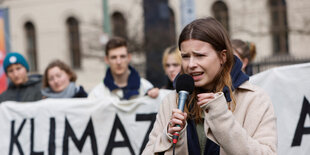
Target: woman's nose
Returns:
[56, 80]
[170, 68]
[192, 62]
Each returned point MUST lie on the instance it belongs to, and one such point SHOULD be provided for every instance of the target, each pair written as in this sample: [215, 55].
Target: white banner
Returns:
[289, 89]
[82, 126]
[77, 126]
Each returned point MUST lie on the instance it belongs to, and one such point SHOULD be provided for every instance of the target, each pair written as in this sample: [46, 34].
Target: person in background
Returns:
[172, 65]
[59, 82]
[225, 114]
[22, 87]
[246, 52]
[171, 62]
[121, 81]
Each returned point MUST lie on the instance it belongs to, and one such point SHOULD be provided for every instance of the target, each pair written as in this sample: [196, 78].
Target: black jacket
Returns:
[81, 93]
[27, 92]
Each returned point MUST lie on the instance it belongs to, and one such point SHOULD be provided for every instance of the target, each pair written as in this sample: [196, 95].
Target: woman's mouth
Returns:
[197, 76]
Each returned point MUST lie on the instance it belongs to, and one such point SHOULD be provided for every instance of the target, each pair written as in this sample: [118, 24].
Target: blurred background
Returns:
[76, 31]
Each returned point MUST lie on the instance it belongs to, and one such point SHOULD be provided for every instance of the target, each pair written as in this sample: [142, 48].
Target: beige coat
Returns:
[249, 130]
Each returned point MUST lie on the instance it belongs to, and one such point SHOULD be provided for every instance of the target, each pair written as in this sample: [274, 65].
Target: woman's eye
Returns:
[185, 56]
[175, 65]
[200, 55]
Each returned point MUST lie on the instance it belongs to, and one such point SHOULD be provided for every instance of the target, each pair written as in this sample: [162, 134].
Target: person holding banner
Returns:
[225, 114]
[246, 52]
[22, 87]
[172, 64]
[122, 81]
[59, 82]
[171, 61]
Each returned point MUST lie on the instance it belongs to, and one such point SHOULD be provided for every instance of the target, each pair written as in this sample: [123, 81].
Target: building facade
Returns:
[74, 30]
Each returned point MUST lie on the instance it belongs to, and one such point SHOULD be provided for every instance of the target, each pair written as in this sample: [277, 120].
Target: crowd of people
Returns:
[225, 114]
[121, 82]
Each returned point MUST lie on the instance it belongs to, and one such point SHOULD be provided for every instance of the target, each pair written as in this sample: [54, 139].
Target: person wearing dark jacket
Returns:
[21, 87]
[59, 82]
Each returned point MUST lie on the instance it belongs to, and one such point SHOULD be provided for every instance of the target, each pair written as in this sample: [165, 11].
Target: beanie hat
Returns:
[14, 58]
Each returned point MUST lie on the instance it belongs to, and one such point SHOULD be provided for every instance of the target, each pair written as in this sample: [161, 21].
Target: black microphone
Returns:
[184, 87]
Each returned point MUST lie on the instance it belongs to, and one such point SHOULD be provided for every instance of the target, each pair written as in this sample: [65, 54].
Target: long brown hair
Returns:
[62, 66]
[247, 49]
[211, 31]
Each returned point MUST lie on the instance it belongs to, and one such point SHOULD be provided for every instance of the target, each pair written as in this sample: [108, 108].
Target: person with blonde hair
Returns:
[59, 82]
[172, 65]
[225, 114]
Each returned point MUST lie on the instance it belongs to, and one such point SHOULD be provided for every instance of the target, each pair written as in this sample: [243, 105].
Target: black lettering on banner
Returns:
[14, 137]
[112, 143]
[300, 129]
[89, 131]
[146, 117]
[32, 138]
[51, 140]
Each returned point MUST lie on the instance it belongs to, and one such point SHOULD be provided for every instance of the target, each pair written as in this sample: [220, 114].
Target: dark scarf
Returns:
[169, 84]
[132, 87]
[211, 148]
[237, 77]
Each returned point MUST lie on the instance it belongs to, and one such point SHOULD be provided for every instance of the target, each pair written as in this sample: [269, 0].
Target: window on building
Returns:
[31, 47]
[172, 27]
[220, 12]
[74, 42]
[119, 25]
[279, 26]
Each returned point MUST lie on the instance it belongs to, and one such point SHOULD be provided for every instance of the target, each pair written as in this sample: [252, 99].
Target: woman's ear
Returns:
[223, 56]
[245, 62]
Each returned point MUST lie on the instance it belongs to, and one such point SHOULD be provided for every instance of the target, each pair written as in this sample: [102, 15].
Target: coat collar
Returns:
[132, 87]
[247, 86]
[237, 78]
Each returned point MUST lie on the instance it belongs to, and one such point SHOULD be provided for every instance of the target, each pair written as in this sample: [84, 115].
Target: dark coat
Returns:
[81, 93]
[27, 92]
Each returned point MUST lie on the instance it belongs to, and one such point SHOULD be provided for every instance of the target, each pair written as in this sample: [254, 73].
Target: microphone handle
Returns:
[182, 99]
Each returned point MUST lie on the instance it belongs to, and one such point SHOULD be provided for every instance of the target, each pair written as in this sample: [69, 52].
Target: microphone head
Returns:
[185, 82]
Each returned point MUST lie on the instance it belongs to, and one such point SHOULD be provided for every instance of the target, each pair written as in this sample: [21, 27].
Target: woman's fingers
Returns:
[172, 130]
[179, 115]
[204, 98]
[177, 121]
